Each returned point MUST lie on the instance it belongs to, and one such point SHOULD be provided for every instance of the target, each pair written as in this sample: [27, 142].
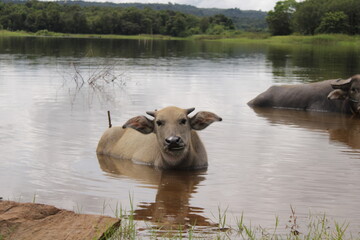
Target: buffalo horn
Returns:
[151, 113]
[343, 84]
[189, 110]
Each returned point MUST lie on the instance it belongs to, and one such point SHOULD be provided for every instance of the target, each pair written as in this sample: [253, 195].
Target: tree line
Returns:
[311, 17]
[35, 16]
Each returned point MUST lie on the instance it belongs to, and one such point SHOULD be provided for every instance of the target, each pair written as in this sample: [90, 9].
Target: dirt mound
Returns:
[39, 221]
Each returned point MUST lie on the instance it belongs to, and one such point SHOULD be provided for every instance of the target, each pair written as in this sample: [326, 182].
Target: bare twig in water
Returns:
[98, 79]
[78, 76]
[109, 118]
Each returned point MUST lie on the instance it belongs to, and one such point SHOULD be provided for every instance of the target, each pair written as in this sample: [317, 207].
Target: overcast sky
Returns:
[264, 5]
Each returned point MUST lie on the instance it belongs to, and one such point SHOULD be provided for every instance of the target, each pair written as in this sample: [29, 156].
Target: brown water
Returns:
[260, 161]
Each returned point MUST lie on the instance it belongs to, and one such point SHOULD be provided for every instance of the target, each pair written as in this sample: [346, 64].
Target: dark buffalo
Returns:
[340, 95]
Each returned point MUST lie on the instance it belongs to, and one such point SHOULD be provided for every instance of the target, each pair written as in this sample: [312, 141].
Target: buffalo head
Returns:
[173, 129]
[347, 89]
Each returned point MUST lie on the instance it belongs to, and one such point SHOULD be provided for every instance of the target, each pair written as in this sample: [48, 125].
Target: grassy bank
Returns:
[222, 225]
[232, 37]
[314, 227]
[45, 33]
[321, 39]
[226, 226]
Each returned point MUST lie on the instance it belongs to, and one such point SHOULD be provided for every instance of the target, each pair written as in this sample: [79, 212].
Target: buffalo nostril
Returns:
[173, 140]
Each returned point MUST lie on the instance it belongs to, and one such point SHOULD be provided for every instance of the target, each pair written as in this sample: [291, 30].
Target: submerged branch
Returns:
[98, 79]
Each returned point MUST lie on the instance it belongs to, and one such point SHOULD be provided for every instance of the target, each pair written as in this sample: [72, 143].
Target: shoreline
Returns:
[244, 37]
[42, 221]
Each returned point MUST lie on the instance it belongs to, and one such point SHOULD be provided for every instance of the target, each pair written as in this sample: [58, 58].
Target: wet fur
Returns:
[307, 97]
[140, 148]
[145, 144]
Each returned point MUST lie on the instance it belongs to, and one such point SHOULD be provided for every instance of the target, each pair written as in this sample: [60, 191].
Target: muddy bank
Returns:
[39, 221]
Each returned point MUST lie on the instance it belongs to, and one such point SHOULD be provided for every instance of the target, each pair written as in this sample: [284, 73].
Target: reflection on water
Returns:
[171, 205]
[109, 48]
[341, 128]
[311, 63]
[260, 161]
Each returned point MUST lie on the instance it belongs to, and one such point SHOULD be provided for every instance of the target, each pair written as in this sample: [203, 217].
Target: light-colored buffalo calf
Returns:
[167, 141]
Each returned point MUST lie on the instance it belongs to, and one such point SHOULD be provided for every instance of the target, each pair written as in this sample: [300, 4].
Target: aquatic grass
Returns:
[222, 219]
[78, 208]
[315, 227]
[318, 228]
[191, 232]
[293, 222]
[127, 227]
[34, 198]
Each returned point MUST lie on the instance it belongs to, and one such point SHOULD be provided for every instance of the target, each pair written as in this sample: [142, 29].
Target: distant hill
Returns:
[248, 20]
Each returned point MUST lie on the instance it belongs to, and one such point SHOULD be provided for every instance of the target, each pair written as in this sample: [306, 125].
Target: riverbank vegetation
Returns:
[311, 17]
[34, 16]
[298, 20]
[229, 37]
[246, 20]
[313, 226]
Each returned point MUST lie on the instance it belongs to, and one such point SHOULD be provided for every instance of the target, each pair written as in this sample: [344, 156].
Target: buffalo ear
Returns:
[337, 94]
[203, 119]
[141, 124]
[343, 84]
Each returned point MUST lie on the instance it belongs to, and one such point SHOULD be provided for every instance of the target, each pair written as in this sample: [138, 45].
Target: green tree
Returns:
[176, 25]
[34, 15]
[204, 24]
[220, 19]
[334, 22]
[308, 16]
[352, 9]
[216, 30]
[74, 19]
[54, 21]
[280, 19]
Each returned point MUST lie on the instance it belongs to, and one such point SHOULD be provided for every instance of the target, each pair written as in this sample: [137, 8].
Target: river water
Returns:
[261, 162]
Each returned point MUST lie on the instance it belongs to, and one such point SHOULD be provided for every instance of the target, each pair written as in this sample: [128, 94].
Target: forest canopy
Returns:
[70, 17]
[311, 17]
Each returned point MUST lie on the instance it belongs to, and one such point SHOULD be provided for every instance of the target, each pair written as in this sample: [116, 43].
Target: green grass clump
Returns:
[315, 227]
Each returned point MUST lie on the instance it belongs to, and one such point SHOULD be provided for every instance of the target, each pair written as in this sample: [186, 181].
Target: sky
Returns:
[264, 5]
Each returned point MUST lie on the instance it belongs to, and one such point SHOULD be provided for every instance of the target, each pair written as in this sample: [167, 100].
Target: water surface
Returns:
[261, 162]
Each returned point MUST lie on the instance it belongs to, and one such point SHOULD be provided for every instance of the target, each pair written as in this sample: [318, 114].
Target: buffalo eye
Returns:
[183, 121]
[353, 90]
[159, 123]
